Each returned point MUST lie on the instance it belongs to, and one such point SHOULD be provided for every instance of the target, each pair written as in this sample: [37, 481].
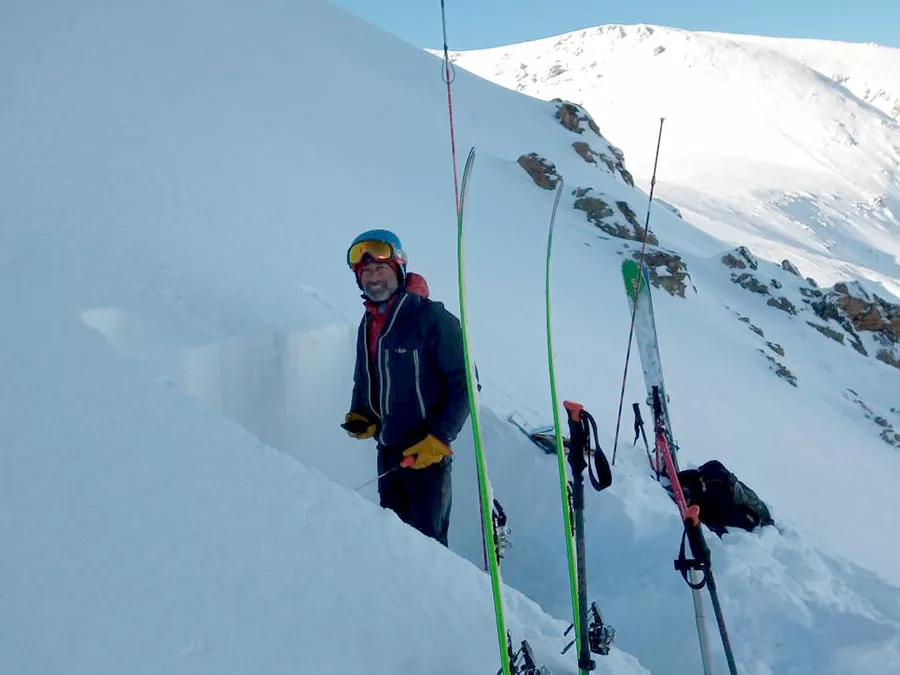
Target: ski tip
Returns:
[631, 275]
[630, 267]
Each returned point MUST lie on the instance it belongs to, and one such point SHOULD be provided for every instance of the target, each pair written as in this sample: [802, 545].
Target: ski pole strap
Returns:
[638, 422]
[579, 441]
[581, 425]
[639, 431]
[600, 473]
[700, 561]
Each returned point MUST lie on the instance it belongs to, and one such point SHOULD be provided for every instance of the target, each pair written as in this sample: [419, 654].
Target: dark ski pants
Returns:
[421, 497]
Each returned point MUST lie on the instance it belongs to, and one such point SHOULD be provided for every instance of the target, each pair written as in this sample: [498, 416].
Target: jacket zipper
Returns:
[368, 370]
[387, 384]
[384, 386]
[418, 383]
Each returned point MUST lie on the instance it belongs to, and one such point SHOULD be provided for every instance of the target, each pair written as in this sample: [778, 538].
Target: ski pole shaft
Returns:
[690, 516]
[702, 630]
[407, 462]
[701, 574]
[585, 662]
[720, 620]
[448, 76]
[578, 445]
[378, 477]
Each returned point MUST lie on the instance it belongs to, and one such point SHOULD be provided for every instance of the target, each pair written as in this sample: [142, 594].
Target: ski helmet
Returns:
[381, 245]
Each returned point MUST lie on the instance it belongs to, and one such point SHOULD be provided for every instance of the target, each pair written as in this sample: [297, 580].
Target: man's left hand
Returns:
[429, 451]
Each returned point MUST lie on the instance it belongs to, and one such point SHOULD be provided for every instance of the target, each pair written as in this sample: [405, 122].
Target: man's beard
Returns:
[377, 291]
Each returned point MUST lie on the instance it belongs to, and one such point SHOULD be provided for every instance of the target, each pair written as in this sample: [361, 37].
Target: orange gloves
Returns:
[423, 454]
[427, 452]
[359, 426]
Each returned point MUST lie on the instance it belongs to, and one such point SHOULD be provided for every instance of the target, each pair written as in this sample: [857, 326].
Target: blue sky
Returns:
[485, 23]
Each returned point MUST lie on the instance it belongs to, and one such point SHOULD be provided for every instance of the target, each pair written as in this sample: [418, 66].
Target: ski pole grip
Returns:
[574, 409]
[692, 513]
[408, 462]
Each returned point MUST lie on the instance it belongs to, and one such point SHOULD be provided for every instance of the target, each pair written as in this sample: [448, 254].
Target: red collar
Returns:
[376, 308]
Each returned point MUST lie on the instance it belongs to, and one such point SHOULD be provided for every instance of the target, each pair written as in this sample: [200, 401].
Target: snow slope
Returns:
[790, 147]
[177, 188]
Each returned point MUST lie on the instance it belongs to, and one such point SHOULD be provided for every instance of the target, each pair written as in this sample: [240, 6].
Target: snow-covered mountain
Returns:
[788, 146]
[178, 185]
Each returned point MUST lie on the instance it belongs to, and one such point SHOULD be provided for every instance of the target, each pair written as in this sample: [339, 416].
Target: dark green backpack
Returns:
[724, 501]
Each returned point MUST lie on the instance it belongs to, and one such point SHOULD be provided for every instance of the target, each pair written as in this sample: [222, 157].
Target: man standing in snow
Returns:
[409, 386]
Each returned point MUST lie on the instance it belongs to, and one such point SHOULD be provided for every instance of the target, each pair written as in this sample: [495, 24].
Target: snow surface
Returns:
[178, 185]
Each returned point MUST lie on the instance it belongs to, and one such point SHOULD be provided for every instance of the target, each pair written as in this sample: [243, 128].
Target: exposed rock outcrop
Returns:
[599, 211]
[542, 171]
[788, 266]
[667, 270]
[575, 118]
[857, 312]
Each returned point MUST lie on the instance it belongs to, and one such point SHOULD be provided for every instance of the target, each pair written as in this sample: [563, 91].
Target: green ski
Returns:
[591, 634]
[492, 517]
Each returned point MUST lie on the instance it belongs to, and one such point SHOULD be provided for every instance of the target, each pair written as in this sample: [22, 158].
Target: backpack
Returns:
[724, 501]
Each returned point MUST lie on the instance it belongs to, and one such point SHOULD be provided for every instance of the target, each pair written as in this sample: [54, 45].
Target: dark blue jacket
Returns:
[417, 386]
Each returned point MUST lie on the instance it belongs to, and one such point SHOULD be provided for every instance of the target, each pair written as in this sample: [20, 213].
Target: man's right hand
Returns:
[359, 426]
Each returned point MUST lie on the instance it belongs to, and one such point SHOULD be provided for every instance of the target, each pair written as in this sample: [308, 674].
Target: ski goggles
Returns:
[377, 250]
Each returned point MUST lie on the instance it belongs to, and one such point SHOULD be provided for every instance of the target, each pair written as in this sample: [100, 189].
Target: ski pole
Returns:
[639, 432]
[697, 572]
[591, 633]
[407, 462]
[579, 441]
